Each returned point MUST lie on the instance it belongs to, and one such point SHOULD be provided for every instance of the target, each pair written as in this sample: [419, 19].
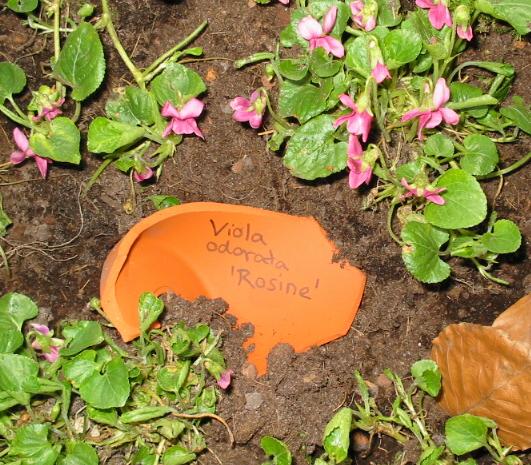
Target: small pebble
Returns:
[253, 400]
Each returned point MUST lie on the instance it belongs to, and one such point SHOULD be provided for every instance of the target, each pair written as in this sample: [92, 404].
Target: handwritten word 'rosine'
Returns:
[238, 232]
[250, 255]
[246, 277]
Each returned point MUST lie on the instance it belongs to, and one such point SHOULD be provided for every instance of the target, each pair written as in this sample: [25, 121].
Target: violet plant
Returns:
[47, 130]
[380, 92]
[144, 123]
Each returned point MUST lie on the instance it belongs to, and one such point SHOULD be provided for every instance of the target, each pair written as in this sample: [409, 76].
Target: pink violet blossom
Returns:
[465, 33]
[359, 170]
[24, 152]
[45, 343]
[284, 2]
[358, 122]
[310, 29]
[438, 13]
[225, 379]
[49, 113]
[183, 120]
[380, 73]
[364, 14]
[431, 194]
[144, 175]
[434, 116]
[249, 110]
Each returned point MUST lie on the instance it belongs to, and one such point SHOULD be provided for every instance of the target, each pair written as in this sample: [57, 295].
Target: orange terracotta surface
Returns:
[274, 270]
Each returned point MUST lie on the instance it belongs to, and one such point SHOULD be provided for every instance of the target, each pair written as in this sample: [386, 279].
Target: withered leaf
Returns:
[516, 321]
[486, 373]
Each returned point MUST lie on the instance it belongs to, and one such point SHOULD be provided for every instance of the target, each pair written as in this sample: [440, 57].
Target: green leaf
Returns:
[465, 202]
[105, 417]
[31, 445]
[18, 374]
[150, 308]
[177, 455]
[311, 152]
[504, 69]
[410, 170]
[462, 92]
[304, 101]
[22, 6]
[318, 8]
[323, 65]
[81, 367]
[5, 221]
[336, 438]
[421, 252]
[516, 12]
[107, 136]
[164, 201]
[466, 433]
[80, 336]
[505, 237]
[388, 13]
[145, 414]
[294, 69]
[277, 449]
[438, 145]
[12, 80]
[177, 84]
[14, 310]
[427, 376]
[357, 55]
[519, 114]
[481, 155]
[60, 143]
[107, 390]
[401, 46]
[466, 247]
[80, 453]
[431, 455]
[81, 64]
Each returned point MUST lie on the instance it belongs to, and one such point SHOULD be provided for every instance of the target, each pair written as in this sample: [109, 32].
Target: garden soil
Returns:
[60, 238]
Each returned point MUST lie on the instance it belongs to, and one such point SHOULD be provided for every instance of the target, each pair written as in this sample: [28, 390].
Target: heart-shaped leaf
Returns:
[504, 238]
[12, 80]
[465, 202]
[177, 84]
[107, 136]
[22, 6]
[481, 155]
[312, 153]
[466, 433]
[277, 449]
[303, 101]
[14, 310]
[60, 143]
[81, 64]
[421, 252]
[401, 46]
[336, 438]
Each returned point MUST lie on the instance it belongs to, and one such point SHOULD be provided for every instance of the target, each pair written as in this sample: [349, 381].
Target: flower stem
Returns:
[16, 107]
[510, 168]
[277, 118]
[107, 20]
[152, 70]
[77, 112]
[56, 29]
[97, 174]
[255, 58]
[390, 214]
[15, 117]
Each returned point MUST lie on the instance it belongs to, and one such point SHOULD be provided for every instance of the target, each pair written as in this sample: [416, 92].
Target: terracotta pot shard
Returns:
[274, 270]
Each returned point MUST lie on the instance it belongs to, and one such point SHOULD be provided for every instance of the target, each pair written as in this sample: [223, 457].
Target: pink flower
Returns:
[284, 2]
[50, 112]
[364, 14]
[358, 122]
[436, 115]
[360, 171]
[251, 110]
[431, 194]
[439, 14]
[225, 379]
[146, 174]
[45, 343]
[24, 152]
[43, 329]
[310, 29]
[465, 33]
[183, 120]
[380, 73]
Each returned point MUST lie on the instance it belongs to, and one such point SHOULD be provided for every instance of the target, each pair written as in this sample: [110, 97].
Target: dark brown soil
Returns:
[59, 239]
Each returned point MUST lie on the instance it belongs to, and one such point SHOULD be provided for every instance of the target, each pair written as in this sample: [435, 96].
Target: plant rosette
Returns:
[396, 75]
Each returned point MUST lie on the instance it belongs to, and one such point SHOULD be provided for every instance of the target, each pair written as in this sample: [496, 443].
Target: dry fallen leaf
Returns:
[516, 321]
[486, 371]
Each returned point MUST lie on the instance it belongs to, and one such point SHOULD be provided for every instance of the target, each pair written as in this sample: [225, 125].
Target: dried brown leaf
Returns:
[516, 321]
[486, 373]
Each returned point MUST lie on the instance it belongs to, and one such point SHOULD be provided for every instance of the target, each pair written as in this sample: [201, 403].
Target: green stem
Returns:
[97, 174]
[15, 117]
[107, 20]
[277, 118]
[56, 29]
[390, 214]
[153, 69]
[255, 58]
[473, 102]
[507, 170]
[483, 272]
[354, 32]
[77, 112]
[16, 107]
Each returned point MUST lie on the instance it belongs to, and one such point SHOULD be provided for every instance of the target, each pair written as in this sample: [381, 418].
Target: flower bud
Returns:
[86, 10]
[462, 15]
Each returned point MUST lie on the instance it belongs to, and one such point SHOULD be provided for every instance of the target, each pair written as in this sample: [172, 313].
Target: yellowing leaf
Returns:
[486, 371]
